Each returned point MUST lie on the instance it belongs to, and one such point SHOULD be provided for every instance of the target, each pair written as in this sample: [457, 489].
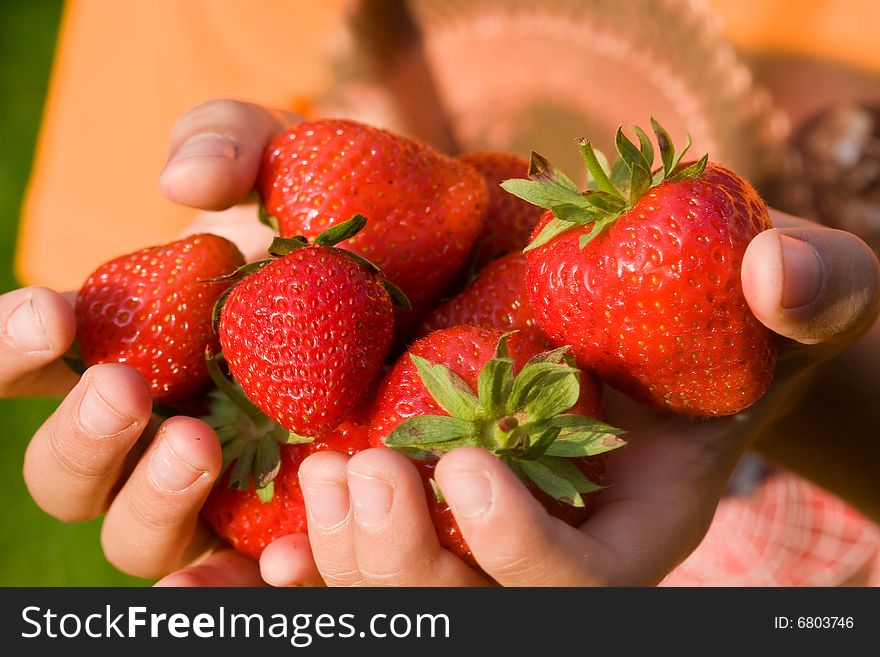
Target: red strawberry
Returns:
[307, 333]
[245, 521]
[151, 309]
[497, 298]
[641, 276]
[425, 208]
[427, 405]
[509, 220]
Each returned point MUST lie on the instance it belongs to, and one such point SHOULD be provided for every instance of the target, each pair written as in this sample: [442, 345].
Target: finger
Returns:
[394, 538]
[288, 561]
[812, 284]
[511, 535]
[323, 478]
[37, 326]
[74, 460]
[215, 152]
[220, 568]
[152, 527]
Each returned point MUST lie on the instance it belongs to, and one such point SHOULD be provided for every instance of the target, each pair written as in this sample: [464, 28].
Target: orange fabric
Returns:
[840, 30]
[126, 70]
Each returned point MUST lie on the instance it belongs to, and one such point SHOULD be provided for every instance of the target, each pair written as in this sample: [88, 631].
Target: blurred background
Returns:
[784, 132]
[35, 550]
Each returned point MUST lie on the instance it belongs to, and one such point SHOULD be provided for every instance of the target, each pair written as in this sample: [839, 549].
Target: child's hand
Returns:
[368, 517]
[99, 451]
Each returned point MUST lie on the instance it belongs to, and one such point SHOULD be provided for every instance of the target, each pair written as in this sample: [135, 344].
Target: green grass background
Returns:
[35, 550]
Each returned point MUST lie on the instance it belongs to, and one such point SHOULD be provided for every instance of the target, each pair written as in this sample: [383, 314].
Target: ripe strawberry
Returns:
[151, 309]
[307, 333]
[425, 208]
[509, 220]
[427, 406]
[641, 276]
[241, 516]
[497, 298]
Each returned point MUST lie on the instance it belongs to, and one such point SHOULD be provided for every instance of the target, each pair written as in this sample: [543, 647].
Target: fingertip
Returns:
[762, 276]
[121, 388]
[222, 568]
[288, 561]
[206, 182]
[323, 465]
[187, 452]
[812, 284]
[325, 491]
[467, 477]
[38, 321]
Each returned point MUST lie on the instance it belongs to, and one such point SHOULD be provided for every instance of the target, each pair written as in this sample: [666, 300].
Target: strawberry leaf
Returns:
[551, 482]
[540, 446]
[265, 493]
[281, 246]
[447, 389]
[542, 194]
[598, 170]
[583, 443]
[267, 219]
[292, 438]
[341, 232]
[426, 431]
[362, 261]
[645, 146]
[677, 158]
[494, 385]
[398, 296]
[664, 143]
[691, 171]
[553, 356]
[240, 476]
[553, 229]
[543, 389]
[540, 170]
[267, 462]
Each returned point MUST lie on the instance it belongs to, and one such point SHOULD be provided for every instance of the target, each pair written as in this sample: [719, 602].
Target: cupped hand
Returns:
[101, 451]
[368, 522]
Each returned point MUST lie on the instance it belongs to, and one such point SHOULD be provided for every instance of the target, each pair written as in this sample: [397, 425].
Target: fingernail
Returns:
[468, 493]
[327, 502]
[371, 498]
[802, 272]
[99, 417]
[169, 471]
[210, 144]
[25, 328]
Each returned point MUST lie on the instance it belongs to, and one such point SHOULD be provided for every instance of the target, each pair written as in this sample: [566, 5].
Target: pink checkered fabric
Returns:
[788, 532]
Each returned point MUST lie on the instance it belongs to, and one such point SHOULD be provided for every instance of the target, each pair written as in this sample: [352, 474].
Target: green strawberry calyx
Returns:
[612, 190]
[281, 246]
[249, 440]
[520, 419]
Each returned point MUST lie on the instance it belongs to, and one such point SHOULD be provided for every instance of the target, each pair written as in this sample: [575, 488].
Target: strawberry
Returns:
[151, 309]
[306, 334]
[425, 208]
[497, 298]
[641, 276]
[474, 386]
[509, 220]
[249, 520]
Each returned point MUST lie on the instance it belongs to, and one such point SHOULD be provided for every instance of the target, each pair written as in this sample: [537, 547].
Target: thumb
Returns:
[812, 284]
[509, 532]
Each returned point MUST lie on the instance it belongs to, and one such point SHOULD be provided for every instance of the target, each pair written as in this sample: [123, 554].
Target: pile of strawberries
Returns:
[412, 301]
